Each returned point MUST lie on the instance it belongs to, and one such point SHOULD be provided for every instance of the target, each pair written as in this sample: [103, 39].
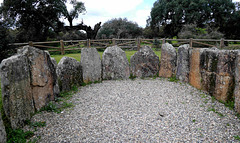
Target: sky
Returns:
[103, 10]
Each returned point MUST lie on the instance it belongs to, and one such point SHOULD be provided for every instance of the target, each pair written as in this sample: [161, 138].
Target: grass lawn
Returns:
[77, 56]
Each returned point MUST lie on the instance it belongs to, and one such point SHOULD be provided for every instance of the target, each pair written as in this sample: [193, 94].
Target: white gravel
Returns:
[153, 110]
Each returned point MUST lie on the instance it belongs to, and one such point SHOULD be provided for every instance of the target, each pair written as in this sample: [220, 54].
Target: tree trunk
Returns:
[70, 20]
[91, 33]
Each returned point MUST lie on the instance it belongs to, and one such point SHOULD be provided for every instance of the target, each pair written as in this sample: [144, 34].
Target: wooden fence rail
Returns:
[63, 46]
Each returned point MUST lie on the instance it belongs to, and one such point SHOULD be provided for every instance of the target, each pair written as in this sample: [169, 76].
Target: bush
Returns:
[5, 38]
[192, 31]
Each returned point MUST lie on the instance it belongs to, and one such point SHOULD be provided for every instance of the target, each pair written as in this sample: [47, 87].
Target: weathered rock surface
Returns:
[168, 61]
[218, 68]
[16, 90]
[115, 64]
[183, 65]
[43, 76]
[144, 63]
[69, 72]
[208, 69]
[195, 70]
[56, 89]
[91, 65]
[28, 82]
[237, 83]
[225, 75]
[3, 135]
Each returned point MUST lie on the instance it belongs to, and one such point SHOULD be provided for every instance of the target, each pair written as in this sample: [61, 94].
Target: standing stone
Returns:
[144, 63]
[237, 84]
[56, 89]
[225, 75]
[115, 64]
[43, 75]
[168, 61]
[217, 73]
[3, 135]
[208, 69]
[91, 65]
[195, 70]
[69, 73]
[28, 82]
[16, 90]
[183, 65]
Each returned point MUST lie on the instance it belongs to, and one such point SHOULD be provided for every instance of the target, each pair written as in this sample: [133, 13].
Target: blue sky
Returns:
[104, 10]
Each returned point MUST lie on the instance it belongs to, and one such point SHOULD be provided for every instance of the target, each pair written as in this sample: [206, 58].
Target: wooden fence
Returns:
[63, 46]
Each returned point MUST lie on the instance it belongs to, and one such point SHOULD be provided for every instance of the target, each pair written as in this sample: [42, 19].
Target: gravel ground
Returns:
[139, 111]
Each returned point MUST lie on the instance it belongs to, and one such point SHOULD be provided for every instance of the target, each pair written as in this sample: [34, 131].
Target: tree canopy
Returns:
[171, 15]
[36, 20]
[119, 28]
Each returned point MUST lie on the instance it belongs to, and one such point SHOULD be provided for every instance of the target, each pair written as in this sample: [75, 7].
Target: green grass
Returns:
[237, 138]
[173, 79]
[77, 56]
[19, 136]
[214, 110]
[62, 102]
[35, 124]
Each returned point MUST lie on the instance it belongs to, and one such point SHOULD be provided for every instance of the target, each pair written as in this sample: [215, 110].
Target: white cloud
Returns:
[141, 16]
[101, 11]
[111, 7]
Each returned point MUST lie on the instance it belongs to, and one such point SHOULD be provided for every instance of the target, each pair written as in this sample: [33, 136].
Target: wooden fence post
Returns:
[221, 43]
[138, 43]
[62, 47]
[163, 41]
[191, 42]
[113, 41]
[30, 43]
[88, 43]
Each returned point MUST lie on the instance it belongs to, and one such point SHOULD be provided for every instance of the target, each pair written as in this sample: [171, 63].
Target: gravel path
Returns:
[140, 111]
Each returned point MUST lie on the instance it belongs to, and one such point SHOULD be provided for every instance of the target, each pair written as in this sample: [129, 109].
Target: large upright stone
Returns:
[183, 65]
[43, 75]
[69, 73]
[28, 82]
[144, 63]
[218, 73]
[91, 65]
[115, 64]
[16, 90]
[168, 61]
[195, 70]
[208, 69]
[3, 135]
[237, 83]
[225, 75]
[212, 70]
